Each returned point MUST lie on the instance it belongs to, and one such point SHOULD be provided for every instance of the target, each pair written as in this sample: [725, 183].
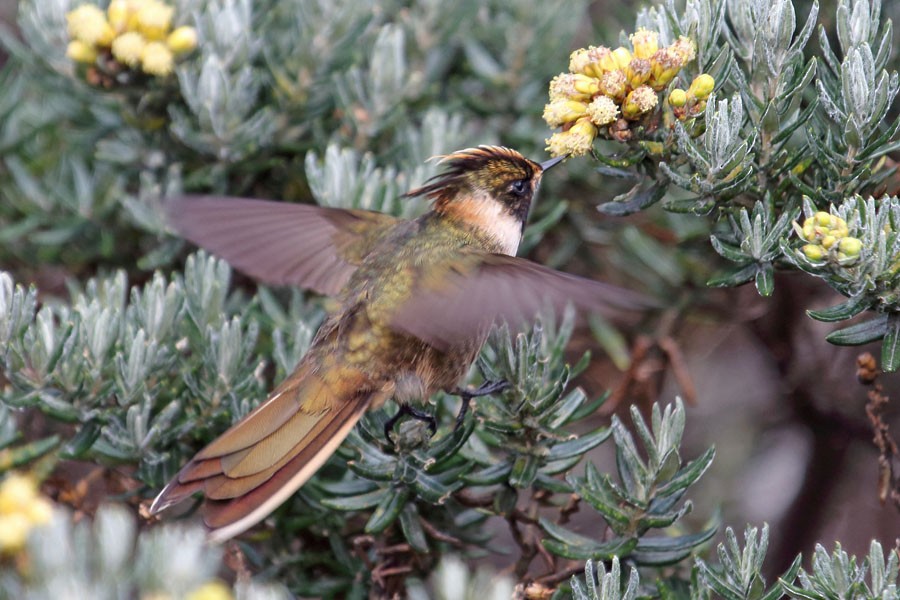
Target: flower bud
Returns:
[664, 66]
[602, 60]
[678, 97]
[828, 241]
[602, 110]
[813, 252]
[639, 101]
[702, 86]
[128, 47]
[645, 43]
[622, 56]
[182, 40]
[154, 19]
[118, 12]
[87, 24]
[809, 231]
[562, 111]
[81, 52]
[157, 59]
[850, 246]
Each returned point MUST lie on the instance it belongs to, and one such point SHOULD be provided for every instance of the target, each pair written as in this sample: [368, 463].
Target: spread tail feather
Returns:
[262, 460]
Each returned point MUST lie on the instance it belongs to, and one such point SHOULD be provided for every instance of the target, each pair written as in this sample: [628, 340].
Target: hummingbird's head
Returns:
[489, 187]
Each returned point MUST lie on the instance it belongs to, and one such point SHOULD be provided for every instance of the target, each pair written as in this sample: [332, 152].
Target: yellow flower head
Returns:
[639, 101]
[602, 110]
[16, 493]
[128, 48]
[561, 111]
[637, 72]
[602, 60]
[87, 24]
[81, 52]
[182, 40]
[21, 507]
[576, 141]
[14, 530]
[573, 86]
[157, 59]
[664, 66]
[580, 62]
[612, 84]
[685, 49]
[154, 19]
[645, 43]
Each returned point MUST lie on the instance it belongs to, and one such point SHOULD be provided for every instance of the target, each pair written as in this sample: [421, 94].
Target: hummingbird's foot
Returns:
[488, 387]
[407, 410]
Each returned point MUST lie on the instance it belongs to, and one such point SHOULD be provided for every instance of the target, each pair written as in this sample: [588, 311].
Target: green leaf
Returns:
[430, 489]
[765, 279]
[798, 592]
[580, 445]
[728, 251]
[659, 551]
[608, 500]
[388, 510]
[842, 312]
[82, 442]
[861, 333]
[789, 576]
[11, 458]
[568, 544]
[358, 502]
[636, 199]
[490, 475]
[524, 471]
[733, 277]
[890, 347]
[689, 475]
[412, 528]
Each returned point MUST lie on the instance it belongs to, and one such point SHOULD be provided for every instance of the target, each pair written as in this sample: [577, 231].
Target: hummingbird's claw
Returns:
[488, 387]
[407, 410]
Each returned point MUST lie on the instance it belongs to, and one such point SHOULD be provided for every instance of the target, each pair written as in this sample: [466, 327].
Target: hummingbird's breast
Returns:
[361, 332]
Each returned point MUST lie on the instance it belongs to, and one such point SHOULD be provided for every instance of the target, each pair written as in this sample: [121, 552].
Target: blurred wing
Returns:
[281, 243]
[483, 289]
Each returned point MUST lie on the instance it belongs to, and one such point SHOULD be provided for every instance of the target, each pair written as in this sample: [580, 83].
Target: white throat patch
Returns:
[493, 218]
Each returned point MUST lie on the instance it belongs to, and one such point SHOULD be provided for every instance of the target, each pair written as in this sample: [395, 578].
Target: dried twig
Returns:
[867, 373]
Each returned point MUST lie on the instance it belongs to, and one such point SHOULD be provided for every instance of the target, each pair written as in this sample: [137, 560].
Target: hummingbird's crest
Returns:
[486, 168]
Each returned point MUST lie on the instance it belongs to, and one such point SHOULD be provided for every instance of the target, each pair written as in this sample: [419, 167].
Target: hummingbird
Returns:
[415, 300]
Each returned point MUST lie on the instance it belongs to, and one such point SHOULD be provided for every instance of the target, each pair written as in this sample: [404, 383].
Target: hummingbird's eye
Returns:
[519, 187]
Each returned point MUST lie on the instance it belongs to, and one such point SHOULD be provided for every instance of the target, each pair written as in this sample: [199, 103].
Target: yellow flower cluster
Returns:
[604, 87]
[136, 33]
[21, 508]
[828, 239]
